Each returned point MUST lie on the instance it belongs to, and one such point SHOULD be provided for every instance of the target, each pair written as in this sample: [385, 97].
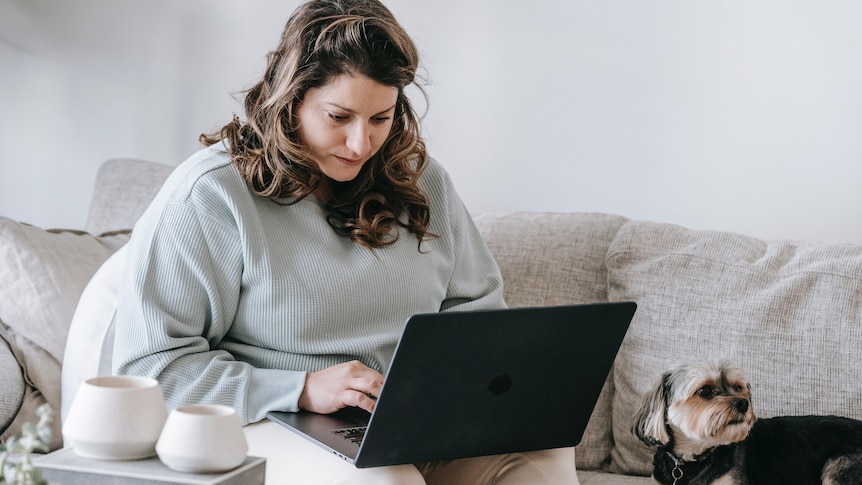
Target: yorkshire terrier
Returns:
[700, 416]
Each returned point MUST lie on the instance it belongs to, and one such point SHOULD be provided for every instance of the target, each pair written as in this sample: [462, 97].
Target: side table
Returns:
[64, 467]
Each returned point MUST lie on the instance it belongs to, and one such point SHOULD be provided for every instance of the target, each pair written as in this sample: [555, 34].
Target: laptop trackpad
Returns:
[323, 427]
[322, 424]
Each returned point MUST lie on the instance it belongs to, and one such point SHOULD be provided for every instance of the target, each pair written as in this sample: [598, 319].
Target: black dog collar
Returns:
[678, 463]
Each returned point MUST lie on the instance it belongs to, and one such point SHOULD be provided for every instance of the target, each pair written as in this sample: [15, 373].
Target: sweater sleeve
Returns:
[475, 282]
[176, 305]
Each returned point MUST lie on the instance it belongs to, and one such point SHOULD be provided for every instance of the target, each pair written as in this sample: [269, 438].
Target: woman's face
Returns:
[344, 123]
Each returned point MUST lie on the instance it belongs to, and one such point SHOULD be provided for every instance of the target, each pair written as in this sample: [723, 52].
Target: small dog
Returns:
[700, 415]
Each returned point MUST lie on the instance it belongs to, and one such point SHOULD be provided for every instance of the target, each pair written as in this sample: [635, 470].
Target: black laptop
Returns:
[485, 382]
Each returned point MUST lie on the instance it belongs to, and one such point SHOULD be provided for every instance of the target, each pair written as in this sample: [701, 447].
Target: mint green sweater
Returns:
[231, 298]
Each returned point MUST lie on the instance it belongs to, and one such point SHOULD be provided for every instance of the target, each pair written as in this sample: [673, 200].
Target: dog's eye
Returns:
[706, 392]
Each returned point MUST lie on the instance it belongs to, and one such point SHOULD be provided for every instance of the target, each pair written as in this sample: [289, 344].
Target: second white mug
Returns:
[202, 439]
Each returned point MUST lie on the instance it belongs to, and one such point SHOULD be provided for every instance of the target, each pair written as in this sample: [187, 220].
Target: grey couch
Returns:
[789, 312]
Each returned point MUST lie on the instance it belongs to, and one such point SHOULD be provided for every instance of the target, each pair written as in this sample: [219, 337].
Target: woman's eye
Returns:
[337, 117]
[706, 392]
[380, 119]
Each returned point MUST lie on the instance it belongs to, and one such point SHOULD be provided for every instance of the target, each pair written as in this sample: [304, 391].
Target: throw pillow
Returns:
[787, 312]
[13, 385]
[42, 275]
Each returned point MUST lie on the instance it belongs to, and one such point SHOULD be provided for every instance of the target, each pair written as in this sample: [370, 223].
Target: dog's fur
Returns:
[700, 416]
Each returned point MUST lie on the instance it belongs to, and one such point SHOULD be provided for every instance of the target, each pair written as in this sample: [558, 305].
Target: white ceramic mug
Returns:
[202, 439]
[116, 418]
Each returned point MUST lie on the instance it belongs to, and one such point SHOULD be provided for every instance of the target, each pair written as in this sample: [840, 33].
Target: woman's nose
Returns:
[359, 139]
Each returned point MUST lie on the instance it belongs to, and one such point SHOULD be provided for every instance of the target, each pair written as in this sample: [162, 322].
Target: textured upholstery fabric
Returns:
[551, 258]
[40, 377]
[13, 385]
[787, 312]
[124, 189]
[556, 259]
[42, 274]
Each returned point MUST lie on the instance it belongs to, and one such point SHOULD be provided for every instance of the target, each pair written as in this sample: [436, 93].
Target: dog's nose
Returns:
[741, 405]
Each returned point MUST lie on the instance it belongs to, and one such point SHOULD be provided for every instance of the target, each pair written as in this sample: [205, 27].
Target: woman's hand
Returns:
[339, 386]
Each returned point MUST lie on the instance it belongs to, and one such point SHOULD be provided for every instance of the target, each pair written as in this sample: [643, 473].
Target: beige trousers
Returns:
[291, 459]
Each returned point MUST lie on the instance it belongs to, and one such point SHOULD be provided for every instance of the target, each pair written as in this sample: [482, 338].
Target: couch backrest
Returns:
[124, 189]
[551, 258]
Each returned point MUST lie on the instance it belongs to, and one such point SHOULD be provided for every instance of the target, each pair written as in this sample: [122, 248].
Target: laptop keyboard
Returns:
[354, 435]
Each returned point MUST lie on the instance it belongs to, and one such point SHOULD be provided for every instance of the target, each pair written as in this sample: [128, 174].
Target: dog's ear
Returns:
[649, 423]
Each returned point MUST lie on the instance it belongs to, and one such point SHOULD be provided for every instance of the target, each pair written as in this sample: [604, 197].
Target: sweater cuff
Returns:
[273, 390]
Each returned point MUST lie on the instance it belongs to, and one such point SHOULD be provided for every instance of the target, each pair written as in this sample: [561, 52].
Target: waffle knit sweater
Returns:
[231, 298]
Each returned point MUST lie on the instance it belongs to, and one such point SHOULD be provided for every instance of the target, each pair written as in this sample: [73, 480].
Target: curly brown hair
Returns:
[322, 40]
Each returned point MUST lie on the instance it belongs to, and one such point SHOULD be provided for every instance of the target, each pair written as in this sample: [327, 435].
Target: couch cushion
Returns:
[12, 394]
[788, 312]
[42, 275]
[604, 478]
[556, 259]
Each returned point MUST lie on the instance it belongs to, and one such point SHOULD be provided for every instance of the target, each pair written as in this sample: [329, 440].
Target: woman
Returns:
[275, 269]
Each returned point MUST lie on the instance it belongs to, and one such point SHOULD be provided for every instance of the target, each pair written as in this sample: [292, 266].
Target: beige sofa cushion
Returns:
[13, 385]
[42, 275]
[788, 312]
[556, 259]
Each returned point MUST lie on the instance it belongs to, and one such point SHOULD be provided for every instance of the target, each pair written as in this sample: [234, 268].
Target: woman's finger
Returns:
[359, 399]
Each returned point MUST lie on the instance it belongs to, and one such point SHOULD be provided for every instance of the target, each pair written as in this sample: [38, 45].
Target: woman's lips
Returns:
[349, 161]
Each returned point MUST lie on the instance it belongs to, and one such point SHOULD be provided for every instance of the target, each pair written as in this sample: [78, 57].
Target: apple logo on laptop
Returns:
[500, 384]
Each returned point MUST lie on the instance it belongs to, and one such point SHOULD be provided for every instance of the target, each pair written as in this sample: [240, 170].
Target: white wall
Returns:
[733, 115]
